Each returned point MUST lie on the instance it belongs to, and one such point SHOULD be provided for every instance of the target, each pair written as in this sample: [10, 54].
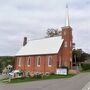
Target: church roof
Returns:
[50, 45]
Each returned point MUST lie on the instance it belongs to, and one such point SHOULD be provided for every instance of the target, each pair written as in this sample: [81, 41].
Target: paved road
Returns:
[74, 83]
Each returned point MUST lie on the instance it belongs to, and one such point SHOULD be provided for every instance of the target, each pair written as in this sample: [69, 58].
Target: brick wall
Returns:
[43, 65]
[63, 58]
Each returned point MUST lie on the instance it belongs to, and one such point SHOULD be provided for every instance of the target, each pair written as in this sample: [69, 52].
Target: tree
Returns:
[5, 61]
[80, 55]
[52, 32]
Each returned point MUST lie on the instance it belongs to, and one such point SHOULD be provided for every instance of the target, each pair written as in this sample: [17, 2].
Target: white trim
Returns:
[64, 33]
[37, 61]
[65, 44]
[19, 61]
[28, 65]
[28, 61]
[49, 61]
[70, 59]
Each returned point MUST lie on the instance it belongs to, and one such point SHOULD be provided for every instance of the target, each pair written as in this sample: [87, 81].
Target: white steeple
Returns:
[67, 23]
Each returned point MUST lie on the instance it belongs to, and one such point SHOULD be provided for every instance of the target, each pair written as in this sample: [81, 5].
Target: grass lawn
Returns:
[85, 70]
[0, 81]
[28, 79]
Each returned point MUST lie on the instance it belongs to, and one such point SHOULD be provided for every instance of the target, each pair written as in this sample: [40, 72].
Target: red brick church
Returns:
[46, 55]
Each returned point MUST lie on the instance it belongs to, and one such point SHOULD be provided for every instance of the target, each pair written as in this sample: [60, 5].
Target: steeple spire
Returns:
[67, 23]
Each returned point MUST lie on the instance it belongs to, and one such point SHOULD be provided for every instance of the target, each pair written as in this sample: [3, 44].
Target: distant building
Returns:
[46, 55]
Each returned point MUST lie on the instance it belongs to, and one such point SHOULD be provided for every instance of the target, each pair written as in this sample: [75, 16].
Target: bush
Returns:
[52, 73]
[85, 66]
[0, 70]
[38, 76]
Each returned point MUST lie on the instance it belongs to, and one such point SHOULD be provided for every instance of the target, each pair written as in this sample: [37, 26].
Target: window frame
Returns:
[38, 61]
[28, 61]
[19, 61]
[49, 61]
[65, 44]
[64, 33]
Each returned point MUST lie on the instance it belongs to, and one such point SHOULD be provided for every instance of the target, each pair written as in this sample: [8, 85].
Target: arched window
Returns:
[70, 59]
[65, 44]
[64, 33]
[38, 61]
[49, 61]
[28, 61]
[19, 61]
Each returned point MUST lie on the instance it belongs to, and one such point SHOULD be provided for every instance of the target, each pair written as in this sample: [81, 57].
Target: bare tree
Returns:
[52, 32]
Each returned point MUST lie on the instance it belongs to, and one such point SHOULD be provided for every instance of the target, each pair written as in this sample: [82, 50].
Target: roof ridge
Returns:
[44, 38]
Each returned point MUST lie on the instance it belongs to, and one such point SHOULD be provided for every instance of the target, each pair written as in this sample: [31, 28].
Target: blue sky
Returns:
[31, 18]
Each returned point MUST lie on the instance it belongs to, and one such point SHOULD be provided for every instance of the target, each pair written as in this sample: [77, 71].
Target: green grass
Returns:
[28, 79]
[58, 76]
[85, 70]
[0, 81]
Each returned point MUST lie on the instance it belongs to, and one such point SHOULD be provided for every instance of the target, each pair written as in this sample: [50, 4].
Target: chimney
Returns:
[25, 41]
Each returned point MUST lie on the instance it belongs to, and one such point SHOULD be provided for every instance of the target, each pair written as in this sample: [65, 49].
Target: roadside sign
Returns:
[62, 71]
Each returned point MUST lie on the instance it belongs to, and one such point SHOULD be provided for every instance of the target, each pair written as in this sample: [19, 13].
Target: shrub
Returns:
[38, 76]
[0, 70]
[85, 66]
[52, 73]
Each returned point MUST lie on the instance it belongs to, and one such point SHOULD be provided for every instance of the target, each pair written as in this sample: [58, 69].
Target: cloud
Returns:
[31, 18]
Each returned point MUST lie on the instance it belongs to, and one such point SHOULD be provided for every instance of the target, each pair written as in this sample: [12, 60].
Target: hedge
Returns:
[85, 66]
[0, 70]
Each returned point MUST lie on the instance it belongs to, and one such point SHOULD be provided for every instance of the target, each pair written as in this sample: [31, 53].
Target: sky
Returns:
[31, 18]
